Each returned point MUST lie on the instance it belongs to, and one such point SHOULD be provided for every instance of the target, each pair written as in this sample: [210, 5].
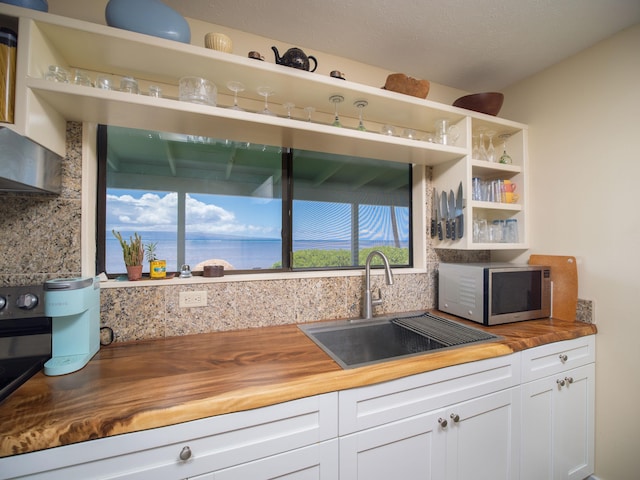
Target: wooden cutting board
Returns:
[564, 275]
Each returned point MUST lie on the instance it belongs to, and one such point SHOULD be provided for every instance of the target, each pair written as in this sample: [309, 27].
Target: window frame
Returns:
[287, 213]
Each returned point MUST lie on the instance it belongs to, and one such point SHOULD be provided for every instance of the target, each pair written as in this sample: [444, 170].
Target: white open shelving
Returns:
[43, 107]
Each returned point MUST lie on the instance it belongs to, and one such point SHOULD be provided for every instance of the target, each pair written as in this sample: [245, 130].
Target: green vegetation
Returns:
[132, 252]
[342, 258]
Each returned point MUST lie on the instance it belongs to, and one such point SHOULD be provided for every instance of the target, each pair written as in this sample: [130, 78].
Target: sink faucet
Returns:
[369, 303]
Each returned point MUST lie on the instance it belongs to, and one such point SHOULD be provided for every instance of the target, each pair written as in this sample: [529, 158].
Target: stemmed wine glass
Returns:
[360, 104]
[289, 106]
[336, 99]
[505, 158]
[491, 150]
[309, 111]
[235, 87]
[482, 153]
[266, 92]
[475, 152]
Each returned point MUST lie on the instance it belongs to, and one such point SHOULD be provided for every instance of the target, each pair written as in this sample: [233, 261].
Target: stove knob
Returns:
[3, 302]
[27, 301]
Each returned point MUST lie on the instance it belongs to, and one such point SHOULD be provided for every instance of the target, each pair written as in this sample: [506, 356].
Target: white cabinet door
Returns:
[483, 437]
[558, 426]
[477, 439]
[409, 449]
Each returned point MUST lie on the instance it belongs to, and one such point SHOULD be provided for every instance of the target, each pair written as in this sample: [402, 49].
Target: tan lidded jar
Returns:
[8, 47]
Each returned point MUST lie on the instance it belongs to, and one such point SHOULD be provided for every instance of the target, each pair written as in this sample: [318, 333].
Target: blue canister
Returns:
[41, 5]
[151, 17]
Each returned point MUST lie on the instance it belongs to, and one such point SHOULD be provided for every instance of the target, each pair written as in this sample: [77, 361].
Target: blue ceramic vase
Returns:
[41, 5]
[151, 17]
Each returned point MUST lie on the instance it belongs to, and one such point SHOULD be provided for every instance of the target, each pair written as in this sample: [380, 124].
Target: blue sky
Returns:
[129, 210]
[246, 217]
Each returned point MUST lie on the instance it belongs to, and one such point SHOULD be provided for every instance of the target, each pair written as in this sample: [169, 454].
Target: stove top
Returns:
[25, 336]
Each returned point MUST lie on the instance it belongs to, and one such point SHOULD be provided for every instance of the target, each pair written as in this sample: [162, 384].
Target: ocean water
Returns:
[243, 254]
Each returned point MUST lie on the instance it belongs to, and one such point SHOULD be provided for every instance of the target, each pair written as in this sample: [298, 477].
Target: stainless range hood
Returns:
[26, 167]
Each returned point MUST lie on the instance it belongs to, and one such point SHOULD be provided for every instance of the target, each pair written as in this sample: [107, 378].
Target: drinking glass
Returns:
[197, 90]
[482, 154]
[505, 158]
[155, 91]
[360, 104]
[129, 85]
[491, 150]
[336, 99]
[475, 152]
[266, 92]
[309, 111]
[235, 87]
[57, 74]
[289, 106]
[389, 130]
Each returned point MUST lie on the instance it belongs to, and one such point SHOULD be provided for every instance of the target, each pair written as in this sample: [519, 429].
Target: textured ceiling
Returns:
[473, 45]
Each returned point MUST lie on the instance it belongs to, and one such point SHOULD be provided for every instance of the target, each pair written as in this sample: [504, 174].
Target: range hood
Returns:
[27, 167]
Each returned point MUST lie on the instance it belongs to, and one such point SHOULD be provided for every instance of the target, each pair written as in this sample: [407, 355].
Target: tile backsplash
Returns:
[41, 241]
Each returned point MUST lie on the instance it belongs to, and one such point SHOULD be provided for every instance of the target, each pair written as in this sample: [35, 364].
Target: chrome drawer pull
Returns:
[185, 453]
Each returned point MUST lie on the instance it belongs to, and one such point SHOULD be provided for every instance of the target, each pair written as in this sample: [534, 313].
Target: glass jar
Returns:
[8, 49]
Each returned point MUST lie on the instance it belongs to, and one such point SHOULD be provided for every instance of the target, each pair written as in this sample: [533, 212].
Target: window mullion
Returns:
[287, 209]
[181, 246]
[355, 234]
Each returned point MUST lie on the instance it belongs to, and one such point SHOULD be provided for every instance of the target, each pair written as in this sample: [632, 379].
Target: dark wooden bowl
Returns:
[489, 102]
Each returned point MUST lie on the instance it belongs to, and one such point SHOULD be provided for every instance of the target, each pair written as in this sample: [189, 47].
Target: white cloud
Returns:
[153, 212]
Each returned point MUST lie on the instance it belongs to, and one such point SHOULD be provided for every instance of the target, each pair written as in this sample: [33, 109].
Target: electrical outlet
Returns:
[193, 299]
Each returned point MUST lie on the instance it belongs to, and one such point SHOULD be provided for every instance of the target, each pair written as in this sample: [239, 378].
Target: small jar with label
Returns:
[8, 50]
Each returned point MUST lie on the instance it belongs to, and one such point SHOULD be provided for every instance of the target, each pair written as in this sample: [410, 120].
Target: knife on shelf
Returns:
[459, 214]
[434, 213]
[451, 212]
[444, 214]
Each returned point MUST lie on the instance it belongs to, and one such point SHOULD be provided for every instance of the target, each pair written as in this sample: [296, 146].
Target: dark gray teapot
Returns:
[296, 58]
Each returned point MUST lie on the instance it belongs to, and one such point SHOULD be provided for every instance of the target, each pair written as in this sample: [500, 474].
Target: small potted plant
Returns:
[132, 253]
[157, 268]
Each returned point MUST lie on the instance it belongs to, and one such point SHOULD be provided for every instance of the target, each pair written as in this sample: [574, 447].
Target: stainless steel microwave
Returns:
[494, 293]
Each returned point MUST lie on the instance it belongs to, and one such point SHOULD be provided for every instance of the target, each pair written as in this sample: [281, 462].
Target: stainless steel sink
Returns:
[355, 343]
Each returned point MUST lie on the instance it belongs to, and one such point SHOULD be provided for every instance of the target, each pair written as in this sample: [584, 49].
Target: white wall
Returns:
[584, 117]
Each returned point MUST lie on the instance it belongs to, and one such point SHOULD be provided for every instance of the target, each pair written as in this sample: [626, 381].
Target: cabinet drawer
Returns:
[374, 405]
[557, 357]
[213, 443]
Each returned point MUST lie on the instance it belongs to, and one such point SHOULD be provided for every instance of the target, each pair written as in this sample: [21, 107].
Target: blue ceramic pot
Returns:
[41, 5]
[151, 17]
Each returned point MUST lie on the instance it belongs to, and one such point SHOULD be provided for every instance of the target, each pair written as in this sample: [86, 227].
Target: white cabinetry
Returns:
[470, 421]
[558, 410]
[296, 438]
[454, 423]
[43, 107]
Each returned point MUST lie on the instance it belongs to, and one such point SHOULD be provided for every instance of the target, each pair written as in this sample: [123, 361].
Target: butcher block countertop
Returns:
[135, 386]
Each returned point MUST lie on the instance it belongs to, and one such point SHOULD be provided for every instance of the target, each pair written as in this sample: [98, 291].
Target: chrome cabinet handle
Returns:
[563, 357]
[455, 417]
[568, 379]
[185, 453]
[443, 422]
[560, 382]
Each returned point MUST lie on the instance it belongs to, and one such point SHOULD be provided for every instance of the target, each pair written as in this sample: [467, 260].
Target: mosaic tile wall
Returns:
[41, 241]
[41, 233]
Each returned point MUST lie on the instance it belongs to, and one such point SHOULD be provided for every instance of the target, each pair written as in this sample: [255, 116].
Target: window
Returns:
[252, 207]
